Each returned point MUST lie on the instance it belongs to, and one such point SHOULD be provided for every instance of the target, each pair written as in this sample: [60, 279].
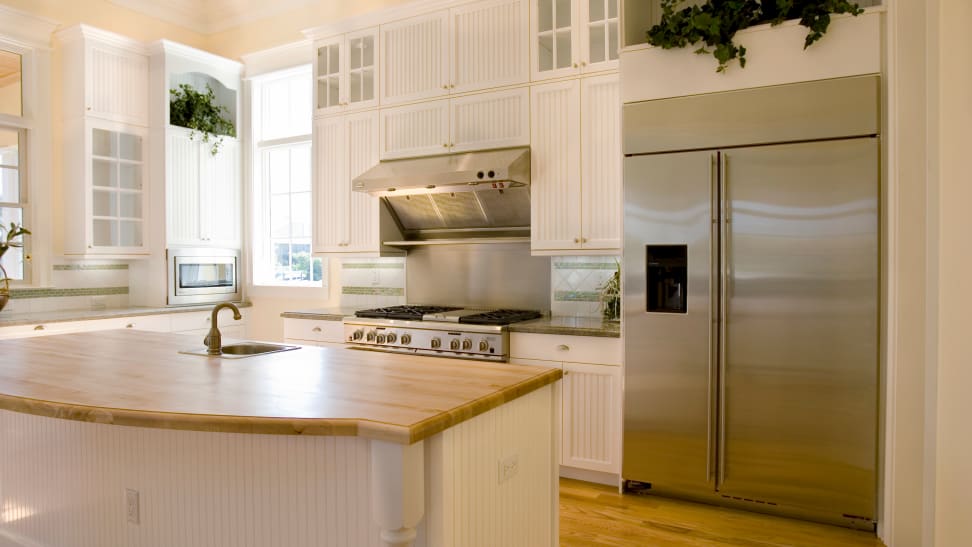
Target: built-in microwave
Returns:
[203, 276]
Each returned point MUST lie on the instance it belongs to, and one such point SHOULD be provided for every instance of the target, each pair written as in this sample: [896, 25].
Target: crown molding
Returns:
[168, 47]
[375, 18]
[277, 58]
[82, 31]
[211, 16]
[25, 29]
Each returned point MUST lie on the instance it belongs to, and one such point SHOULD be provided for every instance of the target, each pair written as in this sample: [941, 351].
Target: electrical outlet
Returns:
[508, 467]
[131, 505]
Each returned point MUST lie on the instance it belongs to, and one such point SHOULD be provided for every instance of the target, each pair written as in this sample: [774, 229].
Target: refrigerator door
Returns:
[669, 366]
[800, 251]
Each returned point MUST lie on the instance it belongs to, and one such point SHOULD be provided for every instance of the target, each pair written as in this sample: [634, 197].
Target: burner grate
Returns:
[411, 313]
[500, 317]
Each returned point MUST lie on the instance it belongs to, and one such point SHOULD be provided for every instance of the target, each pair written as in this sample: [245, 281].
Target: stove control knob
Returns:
[484, 345]
[358, 334]
[467, 344]
[406, 339]
[454, 345]
[371, 336]
[380, 339]
[391, 337]
[436, 343]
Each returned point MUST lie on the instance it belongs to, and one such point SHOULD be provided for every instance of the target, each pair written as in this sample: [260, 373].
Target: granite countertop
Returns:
[320, 314]
[139, 379]
[574, 326]
[31, 318]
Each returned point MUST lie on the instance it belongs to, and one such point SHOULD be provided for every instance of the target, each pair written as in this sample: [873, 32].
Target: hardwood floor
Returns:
[591, 514]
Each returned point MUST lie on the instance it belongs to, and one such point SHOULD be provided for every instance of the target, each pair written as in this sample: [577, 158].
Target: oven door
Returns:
[203, 276]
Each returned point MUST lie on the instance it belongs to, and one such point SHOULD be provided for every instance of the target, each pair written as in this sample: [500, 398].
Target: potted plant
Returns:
[610, 296]
[713, 23]
[7, 242]
[200, 113]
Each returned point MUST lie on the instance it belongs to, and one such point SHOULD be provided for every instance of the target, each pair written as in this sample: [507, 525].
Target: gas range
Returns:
[441, 331]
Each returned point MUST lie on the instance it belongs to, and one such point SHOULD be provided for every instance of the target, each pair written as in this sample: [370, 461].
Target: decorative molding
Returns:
[212, 16]
[25, 29]
[375, 18]
[217, 62]
[82, 31]
[277, 58]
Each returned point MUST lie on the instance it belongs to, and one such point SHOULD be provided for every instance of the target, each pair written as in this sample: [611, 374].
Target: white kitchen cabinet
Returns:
[314, 332]
[107, 205]
[415, 57]
[194, 322]
[490, 41]
[202, 191]
[346, 72]
[345, 221]
[480, 121]
[105, 76]
[576, 167]
[590, 394]
[572, 37]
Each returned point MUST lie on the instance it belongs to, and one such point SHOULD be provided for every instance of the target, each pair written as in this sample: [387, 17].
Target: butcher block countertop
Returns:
[138, 378]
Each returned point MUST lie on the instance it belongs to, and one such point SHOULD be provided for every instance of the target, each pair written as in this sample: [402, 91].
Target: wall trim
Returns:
[380, 17]
[277, 58]
[26, 29]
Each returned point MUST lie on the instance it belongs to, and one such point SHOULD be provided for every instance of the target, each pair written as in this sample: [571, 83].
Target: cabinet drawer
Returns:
[314, 330]
[181, 322]
[556, 347]
[152, 323]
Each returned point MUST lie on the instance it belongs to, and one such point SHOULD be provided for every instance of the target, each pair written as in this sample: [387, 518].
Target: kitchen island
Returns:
[115, 438]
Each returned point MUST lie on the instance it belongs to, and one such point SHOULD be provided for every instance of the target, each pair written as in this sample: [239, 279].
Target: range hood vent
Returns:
[472, 195]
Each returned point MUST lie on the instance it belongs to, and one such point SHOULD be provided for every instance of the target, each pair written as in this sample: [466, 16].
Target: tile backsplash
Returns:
[372, 282]
[576, 281]
[75, 286]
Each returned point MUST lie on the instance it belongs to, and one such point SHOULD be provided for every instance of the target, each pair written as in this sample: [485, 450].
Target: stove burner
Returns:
[500, 317]
[410, 313]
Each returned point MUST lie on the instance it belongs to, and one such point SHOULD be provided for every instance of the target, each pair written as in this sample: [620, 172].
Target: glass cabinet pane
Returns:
[130, 205]
[130, 233]
[116, 189]
[103, 143]
[103, 204]
[562, 13]
[545, 15]
[104, 173]
[602, 30]
[129, 147]
[562, 49]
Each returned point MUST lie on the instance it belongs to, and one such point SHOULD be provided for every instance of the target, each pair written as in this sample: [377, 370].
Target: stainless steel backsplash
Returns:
[483, 275]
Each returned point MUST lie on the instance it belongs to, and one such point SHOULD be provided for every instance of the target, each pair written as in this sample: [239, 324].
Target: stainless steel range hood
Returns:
[471, 196]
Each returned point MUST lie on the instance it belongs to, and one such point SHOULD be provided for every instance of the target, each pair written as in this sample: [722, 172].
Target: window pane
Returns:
[10, 84]
[13, 260]
[278, 170]
[300, 211]
[280, 216]
[9, 185]
[300, 168]
[9, 147]
[300, 106]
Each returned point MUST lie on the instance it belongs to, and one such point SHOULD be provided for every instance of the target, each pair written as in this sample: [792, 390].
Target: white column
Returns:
[397, 490]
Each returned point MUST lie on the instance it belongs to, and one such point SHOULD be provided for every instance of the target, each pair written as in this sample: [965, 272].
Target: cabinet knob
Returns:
[445, 87]
[130, 326]
[39, 327]
[583, 240]
[575, 65]
[563, 347]
[445, 145]
[576, 240]
[316, 329]
[583, 63]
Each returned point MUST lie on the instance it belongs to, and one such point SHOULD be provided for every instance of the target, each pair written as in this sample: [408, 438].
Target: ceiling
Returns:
[211, 16]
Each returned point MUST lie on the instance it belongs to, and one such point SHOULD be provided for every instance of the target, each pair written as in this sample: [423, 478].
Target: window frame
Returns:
[261, 248]
[23, 126]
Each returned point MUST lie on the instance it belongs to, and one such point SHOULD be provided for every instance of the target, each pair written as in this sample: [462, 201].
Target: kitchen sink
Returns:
[244, 349]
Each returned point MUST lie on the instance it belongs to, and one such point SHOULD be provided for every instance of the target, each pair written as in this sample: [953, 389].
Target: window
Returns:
[282, 113]
[13, 195]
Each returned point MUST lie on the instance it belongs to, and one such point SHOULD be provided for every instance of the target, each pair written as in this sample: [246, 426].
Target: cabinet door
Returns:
[599, 35]
[491, 41]
[182, 189]
[555, 167]
[601, 158]
[116, 85]
[491, 120]
[554, 39]
[414, 130]
[592, 417]
[118, 193]
[332, 186]
[220, 192]
[361, 60]
[329, 92]
[362, 155]
[415, 56]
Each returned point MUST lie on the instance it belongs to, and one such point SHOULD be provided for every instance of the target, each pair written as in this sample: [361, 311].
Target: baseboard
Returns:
[586, 475]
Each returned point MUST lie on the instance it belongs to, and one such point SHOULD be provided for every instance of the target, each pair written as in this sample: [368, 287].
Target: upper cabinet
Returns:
[574, 37]
[346, 72]
[472, 47]
[105, 76]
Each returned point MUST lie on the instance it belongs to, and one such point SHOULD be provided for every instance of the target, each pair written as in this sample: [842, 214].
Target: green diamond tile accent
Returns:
[373, 266]
[374, 291]
[585, 265]
[78, 267]
[577, 296]
[53, 293]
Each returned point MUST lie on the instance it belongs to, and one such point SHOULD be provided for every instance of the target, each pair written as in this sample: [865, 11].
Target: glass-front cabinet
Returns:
[574, 36]
[345, 69]
[117, 190]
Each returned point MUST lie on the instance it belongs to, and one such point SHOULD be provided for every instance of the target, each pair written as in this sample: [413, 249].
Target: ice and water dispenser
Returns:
[667, 278]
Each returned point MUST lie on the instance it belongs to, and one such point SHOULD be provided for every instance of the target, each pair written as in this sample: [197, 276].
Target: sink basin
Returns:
[244, 349]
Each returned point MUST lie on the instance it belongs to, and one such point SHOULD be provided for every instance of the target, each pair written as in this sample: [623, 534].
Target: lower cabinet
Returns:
[590, 399]
[194, 322]
[313, 332]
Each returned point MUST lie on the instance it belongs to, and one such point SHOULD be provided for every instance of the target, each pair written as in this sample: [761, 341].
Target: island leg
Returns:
[397, 490]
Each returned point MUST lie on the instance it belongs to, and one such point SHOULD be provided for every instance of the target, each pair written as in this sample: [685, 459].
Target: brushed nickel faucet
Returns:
[214, 340]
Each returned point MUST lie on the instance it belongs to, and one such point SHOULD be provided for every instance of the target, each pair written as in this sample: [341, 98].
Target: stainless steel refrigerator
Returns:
[751, 294]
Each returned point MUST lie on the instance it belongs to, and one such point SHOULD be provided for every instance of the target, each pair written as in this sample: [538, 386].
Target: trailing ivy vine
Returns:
[200, 112]
[713, 23]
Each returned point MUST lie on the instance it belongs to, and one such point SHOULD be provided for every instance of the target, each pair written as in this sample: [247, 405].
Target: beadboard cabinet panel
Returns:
[222, 207]
[117, 85]
[182, 189]
[592, 417]
[556, 167]
[491, 41]
[332, 186]
[601, 158]
[415, 130]
[362, 208]
[415, 58]
[490, 120]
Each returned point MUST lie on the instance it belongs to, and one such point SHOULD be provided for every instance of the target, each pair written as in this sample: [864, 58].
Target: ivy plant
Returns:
[713, 24]
[200, 112]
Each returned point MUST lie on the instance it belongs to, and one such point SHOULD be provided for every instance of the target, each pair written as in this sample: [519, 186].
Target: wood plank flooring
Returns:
[592, 514]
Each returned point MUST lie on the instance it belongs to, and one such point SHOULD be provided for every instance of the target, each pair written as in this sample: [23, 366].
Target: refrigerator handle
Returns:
[714, 268]
[725, 259]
